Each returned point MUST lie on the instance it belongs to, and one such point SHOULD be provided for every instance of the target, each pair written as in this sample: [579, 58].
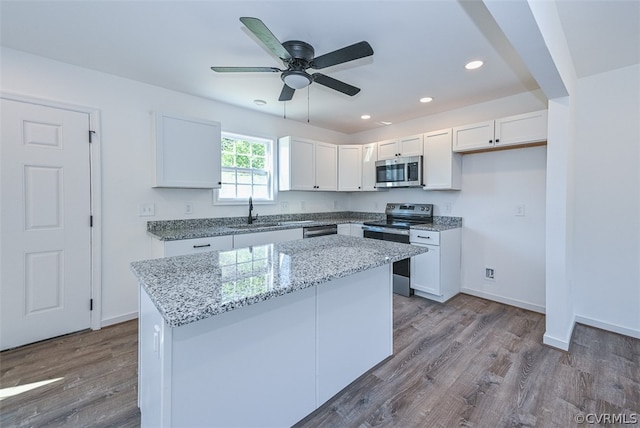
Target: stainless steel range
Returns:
[400, 217]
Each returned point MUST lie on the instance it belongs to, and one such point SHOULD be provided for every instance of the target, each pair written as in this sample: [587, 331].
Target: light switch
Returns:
[188, 207]
[519, 210]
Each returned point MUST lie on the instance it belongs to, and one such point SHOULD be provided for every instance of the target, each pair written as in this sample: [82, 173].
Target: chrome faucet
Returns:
[251, 218]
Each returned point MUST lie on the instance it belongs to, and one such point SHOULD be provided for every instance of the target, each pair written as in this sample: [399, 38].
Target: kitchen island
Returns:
[261, 336]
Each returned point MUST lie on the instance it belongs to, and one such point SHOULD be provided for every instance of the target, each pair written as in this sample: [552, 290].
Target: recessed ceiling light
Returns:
[473, 65]
[365, 116]
[259, 102]
[385, 123]
[426, 100]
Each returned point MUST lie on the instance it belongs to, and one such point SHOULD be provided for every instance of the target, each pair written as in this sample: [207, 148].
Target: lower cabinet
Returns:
[435, 274]
[190, 246]
[344, 229]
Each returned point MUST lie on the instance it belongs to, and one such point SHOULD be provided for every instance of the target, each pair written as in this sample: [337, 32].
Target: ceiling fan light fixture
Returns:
[296, 79]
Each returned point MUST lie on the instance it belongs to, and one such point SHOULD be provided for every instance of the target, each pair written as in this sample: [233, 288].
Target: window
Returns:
[247, 168]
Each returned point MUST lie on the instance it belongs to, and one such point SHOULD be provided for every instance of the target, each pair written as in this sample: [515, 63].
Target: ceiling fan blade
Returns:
[265, 35]
[346, 54]
[332, 83]
[245, 69]
[286, 94]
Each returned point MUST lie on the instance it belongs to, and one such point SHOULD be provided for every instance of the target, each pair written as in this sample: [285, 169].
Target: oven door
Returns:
[401, 268]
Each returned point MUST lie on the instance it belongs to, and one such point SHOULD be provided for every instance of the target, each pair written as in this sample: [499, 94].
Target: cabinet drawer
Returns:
[424, 237]
[197, 245]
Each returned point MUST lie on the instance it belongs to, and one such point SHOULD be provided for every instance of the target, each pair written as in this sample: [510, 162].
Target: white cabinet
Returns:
[307, 165]
[344, 229]
[406, 146]
[442, 167]
[190, 246]
[187, 152]
[435, 274]
[473, 137]
[515, 130]
[349, 168]
[521, 129]
[261, 238]
[356, 230]
[369, 158]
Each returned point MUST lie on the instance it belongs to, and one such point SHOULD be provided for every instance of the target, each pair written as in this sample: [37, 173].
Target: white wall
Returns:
[125, 108]
[492, 185]
[607, 201]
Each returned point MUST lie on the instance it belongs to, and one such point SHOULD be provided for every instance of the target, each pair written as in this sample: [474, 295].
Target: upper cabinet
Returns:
[515, 130]
[307, 165]
[187, 152]
[349, 168]
[369, 158]
[407, 146]
[442, 167]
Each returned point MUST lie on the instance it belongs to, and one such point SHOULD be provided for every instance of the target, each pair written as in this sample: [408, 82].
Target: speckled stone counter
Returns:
[440, 223]
[189, 288]
[172, 230]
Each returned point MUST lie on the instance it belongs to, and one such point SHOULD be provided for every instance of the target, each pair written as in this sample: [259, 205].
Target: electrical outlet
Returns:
[188, 207]
[519, 211]
[303, 205]
[447, 208]
[284, 206]
[146, 209]
[489, 274]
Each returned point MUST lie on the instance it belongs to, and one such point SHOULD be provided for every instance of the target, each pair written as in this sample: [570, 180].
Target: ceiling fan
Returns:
[298, 56]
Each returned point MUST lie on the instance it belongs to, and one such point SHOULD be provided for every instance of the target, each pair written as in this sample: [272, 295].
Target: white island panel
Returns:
[253, 367]
[355, 328]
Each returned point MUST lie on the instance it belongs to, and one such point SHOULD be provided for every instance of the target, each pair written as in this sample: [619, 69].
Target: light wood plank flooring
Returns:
[469, 362]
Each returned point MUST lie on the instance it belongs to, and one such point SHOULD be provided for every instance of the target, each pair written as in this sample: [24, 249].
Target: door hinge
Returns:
[90, 304]
[90, 221]
[91, 136]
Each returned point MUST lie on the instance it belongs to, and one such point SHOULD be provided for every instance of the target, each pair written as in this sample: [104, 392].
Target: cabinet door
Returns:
[349, 168]
[521, 129]
[410, 146]
[344, 229]
[302, 164]
[387, 149]
[369, 158]
[187, 152]
[197, 245]
[326, 166]
[442, 167]
[425, 270]
[473, 137]
[356, 230]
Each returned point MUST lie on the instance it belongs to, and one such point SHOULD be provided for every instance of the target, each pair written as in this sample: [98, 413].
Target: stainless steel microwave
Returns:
[399, 172]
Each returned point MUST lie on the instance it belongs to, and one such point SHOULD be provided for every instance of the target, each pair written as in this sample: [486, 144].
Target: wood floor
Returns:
[469, 362]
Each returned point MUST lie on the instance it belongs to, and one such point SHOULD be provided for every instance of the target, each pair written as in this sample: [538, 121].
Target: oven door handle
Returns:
[389, 230]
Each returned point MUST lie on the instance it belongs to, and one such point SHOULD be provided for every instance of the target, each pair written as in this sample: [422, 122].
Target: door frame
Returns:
[95, 165]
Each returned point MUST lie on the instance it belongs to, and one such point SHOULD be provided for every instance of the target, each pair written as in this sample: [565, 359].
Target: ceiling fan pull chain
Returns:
[308, 91]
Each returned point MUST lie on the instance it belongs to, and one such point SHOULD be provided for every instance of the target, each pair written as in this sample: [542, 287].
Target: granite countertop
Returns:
[208, 231]
[189, 288]
[172, 230]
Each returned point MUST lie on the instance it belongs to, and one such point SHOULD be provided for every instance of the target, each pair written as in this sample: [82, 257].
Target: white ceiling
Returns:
[420, 49]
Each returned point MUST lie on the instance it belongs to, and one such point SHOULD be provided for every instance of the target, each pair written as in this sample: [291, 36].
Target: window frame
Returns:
[270, 156]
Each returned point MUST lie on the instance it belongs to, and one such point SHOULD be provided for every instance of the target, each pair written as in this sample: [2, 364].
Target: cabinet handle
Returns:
[490, 141]
[424, 237]
[497, 140]
[202, 246]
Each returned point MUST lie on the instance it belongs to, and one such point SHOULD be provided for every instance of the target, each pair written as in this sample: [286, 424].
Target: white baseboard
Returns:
[505, 300]
[119, 319]
[625, 331]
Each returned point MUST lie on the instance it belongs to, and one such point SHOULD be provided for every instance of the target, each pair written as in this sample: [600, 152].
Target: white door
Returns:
[45, 253]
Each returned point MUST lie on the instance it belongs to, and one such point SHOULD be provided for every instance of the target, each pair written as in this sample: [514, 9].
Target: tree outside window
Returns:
[247, 168]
